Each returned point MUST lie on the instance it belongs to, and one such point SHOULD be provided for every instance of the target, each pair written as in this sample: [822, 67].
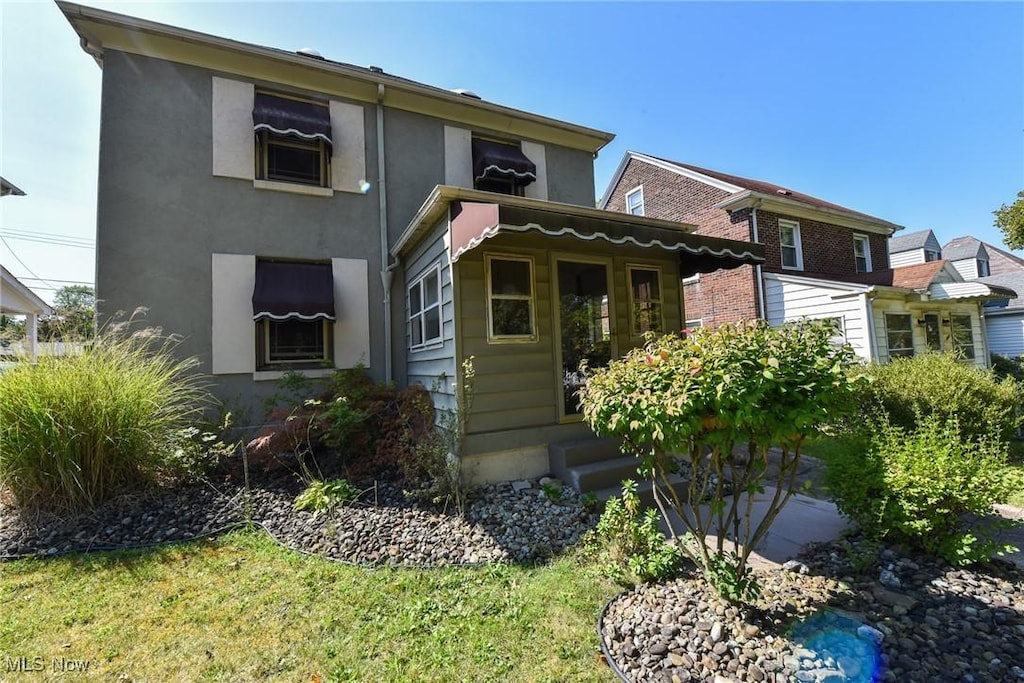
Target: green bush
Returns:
[76, 430]
[1003, 366]
[909, 389]
[633, 548]
[917, 485]
[324, 496]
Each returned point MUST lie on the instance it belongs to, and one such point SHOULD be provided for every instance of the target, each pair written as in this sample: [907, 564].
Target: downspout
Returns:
[984, 334]
[386, 274]
[869, 312]
[761, 313]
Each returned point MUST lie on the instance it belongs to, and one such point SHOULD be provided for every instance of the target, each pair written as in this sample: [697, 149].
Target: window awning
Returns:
[474, 222]
[496, 160]
[293, 291]
[291, 118]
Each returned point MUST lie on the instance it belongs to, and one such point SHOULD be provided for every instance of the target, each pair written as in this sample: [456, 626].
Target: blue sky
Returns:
[913, 112]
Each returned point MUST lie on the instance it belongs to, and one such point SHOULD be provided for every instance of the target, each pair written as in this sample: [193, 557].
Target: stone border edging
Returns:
[612, 664]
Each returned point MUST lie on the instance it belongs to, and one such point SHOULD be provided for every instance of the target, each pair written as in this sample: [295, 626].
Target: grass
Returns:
[243, 608]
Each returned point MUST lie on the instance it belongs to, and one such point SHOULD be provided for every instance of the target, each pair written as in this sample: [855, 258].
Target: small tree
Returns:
[74, 310]
[1010, 219]
[714, 403]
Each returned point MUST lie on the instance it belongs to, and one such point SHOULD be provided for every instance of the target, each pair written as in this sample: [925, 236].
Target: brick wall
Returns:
[827, 248]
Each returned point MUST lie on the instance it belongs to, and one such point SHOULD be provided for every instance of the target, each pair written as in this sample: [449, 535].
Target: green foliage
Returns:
[76, 430]
[589, 501]
[917, 485]
[699, 402]
[323, 496]
[343, 421]
[732, 579]
[633, 548]
[552, 492]
[909, 389]
[1003, 367]
[200, 449]
[1010, 219]
[73, 319]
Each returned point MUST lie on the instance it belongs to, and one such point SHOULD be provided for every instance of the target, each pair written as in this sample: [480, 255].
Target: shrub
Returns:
[909, 389]
[76, 430]
[323, 496]
[712, 404]
[633, 548]
[917, 485]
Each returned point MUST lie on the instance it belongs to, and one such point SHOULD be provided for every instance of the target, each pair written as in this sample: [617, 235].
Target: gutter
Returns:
[761, 306]
[386, 274]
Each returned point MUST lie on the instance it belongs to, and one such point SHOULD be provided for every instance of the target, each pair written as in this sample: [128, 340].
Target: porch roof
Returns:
[477, 216]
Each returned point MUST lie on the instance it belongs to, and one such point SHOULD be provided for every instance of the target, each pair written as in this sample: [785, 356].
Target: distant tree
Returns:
[74, 308]
[1010, 219]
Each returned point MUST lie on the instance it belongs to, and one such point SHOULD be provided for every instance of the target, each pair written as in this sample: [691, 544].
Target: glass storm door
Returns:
[585, 330]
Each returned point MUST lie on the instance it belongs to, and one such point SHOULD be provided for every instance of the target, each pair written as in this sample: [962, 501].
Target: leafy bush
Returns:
[712, 404]
[917, 485]
[633, 548]
[323, 496]
[77, 430]
[908, 389]
[1003, 367]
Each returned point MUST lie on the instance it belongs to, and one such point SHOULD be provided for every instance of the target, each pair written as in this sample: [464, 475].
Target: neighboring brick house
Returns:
[802, 235]
[822, 261]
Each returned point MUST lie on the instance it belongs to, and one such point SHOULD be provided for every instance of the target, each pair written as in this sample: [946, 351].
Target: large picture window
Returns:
[963, 336]
[645, 300]
[425, 310]
[510, 315]
[899, 335]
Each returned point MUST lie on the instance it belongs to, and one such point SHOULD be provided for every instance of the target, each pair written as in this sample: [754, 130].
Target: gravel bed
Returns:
[504, 523]
[905, 617]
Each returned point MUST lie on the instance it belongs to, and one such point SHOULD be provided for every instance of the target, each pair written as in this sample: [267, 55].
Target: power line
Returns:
[54, 242]
[36, 233]
[16, 258]
[70, 282]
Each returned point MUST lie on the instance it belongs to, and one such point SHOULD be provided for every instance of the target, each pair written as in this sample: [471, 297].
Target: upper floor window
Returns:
[789, 245]
[635, 201]
[425, 309]
[983, 269]
[510, 298]
[931, 255]
[293, 140]
[645, 300]
[862, 253]
[501, 167]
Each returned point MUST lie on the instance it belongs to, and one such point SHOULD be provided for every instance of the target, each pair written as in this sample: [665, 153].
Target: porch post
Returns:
[30, 334]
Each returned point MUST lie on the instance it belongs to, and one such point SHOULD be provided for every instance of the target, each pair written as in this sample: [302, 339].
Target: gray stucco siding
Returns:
[570, 176]
[161, 213]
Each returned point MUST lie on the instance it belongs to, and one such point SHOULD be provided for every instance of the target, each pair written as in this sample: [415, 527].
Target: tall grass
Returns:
[76, 430]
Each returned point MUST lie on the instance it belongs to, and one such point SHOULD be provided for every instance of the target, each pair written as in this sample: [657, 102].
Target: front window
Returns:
[510, 298]
[932, 332]
[645, 300]
[983, 269]
[963, 336]
[293, 140]
[425, 310]
[293, 341]
[899, 335]
[789, 245]
[862, 253]
[291, 161]
[635, 201]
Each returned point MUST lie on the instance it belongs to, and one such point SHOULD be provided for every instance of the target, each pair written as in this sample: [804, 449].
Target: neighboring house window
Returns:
[425, 310]
[899, 335]
[694, 323]
[838, 329]
[293, 306]
[931, 255]
[862, 253]
[983, 269]
[635, 201]
[510, 314]
[789, 245]
[293, 143]
[963, 336]
[645, 300]
[692, 279]
[501, 167]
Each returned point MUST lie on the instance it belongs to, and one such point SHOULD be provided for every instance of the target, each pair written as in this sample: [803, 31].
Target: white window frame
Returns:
[693, 323]
[691, 280]
[862, 240]
[493, 338]
[420, 318]
[636, 191]
[888, 348]
[660, 301]
[797, 246]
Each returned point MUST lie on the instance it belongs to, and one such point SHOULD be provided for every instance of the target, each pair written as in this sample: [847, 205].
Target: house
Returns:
[823, 261]
[912, 248]
[288, 212]
[17, 299]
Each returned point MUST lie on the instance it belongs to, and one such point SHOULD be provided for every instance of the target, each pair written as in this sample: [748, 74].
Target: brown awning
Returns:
[474, 222]
[293, 291]
[496, 160]
[291, 118]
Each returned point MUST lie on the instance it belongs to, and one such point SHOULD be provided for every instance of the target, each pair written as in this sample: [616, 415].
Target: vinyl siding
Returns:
[906, 258]
[1006, 334]
[788, 300]
[883, 306]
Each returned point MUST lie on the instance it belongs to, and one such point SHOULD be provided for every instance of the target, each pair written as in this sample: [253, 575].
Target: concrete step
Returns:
[644, 490]
[563, 456]
[603, 474]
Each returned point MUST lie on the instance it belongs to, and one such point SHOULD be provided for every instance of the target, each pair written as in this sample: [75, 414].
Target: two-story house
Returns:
[283, 211]
[823, 261]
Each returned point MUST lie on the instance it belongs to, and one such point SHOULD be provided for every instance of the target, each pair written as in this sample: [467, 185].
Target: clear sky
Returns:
[913, 112]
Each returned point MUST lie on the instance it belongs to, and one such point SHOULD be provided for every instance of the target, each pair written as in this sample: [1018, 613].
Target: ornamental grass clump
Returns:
[711, 405]
[77, 430]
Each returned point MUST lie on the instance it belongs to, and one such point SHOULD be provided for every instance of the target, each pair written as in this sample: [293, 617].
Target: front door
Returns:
[583, 325]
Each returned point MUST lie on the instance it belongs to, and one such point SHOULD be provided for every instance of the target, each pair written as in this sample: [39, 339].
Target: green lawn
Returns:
[242, 608]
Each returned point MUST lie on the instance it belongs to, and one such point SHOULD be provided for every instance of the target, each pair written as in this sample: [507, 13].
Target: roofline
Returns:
[793, 207]
[99, 29]
[9, 188]
[21, 288]
[666, 165]
[436, 204]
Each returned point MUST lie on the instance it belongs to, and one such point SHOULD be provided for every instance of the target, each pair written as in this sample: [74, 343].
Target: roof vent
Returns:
[375, 69]
[783, 192]
[309, 52]
[466, 93]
